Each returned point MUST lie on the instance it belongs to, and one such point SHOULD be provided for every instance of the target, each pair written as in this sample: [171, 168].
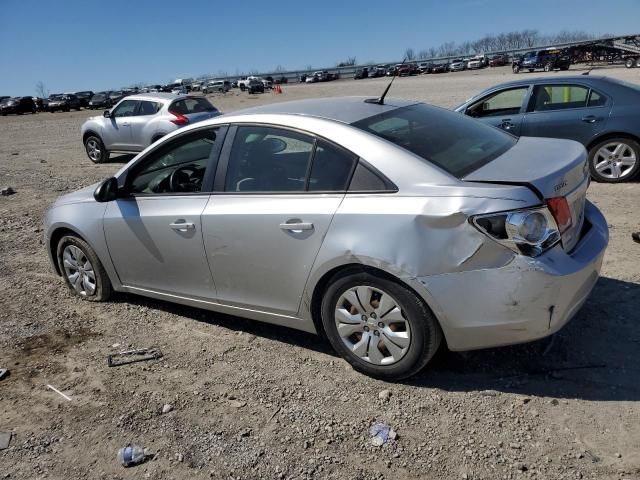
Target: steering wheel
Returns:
[181, 180]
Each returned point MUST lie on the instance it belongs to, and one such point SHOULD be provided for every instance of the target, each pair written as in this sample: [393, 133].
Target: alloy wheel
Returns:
[79, 270]
[94, 150]
[372, 325]
[615, 160]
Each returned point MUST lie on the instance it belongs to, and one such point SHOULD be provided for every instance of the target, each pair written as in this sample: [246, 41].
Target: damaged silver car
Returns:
[386, 226]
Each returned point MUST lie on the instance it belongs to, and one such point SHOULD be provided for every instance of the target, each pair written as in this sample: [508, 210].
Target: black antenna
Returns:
[380, 101]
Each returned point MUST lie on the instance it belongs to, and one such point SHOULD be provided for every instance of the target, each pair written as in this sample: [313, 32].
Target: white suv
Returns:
[139, 120]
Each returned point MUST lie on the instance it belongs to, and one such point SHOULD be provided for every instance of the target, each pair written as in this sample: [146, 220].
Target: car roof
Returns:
[341, 109]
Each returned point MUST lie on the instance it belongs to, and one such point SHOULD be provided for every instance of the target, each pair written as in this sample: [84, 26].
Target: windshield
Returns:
[456, 143]
[56, 97]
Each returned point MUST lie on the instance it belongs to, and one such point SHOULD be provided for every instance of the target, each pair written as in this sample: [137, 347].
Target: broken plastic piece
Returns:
[3, 373]
[381, 433]
[133, 356]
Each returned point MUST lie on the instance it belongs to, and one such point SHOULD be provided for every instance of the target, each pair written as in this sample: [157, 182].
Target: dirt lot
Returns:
[257, 401]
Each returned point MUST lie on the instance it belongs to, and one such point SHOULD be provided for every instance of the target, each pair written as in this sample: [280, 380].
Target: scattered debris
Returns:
[385, 395]
[636, 237]
[167, 408]
[488, 393]
[381, 433]
[594, 458]
[15, 153]
[6, 191]
[179, 457]
[237, 403]
[3, 373]
[618, 455]
[5, 439]
[50, 387]
[132, 455]
[133, 356]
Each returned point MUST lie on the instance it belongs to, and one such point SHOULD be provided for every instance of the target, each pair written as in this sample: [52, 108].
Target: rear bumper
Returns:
[525, 300]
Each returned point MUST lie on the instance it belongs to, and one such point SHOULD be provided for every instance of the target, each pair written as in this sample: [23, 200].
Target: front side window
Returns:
[126, 109]
[267, 159]
[558, 97]
[177, 168]
[453, 142]
[505, 102]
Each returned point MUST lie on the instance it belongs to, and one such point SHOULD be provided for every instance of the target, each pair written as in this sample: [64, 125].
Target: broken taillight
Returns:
[561, 212]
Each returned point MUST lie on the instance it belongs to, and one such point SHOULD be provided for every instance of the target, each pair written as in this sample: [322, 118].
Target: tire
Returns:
[630, 63]
[638, 62]
[73, 253]
[619, 168]
[547, 67]
[516, 69]
[532, 70]
[95, 149]
[416, 325]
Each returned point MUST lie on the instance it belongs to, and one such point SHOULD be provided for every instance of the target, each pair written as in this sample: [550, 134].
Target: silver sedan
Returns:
[388, 228]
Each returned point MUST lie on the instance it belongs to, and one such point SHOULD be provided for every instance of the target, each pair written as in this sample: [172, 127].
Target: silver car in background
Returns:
[386, 227]
[139, 120]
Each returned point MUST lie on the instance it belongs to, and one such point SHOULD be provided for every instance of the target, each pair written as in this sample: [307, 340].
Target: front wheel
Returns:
[380, 327]
[614, 160]
[96, 151]
[516, 68]
[83, 273]
[547, 68]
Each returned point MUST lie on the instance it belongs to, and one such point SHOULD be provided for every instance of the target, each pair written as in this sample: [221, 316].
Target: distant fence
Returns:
[294, 75]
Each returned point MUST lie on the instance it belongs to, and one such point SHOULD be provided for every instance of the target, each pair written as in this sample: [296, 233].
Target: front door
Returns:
[117, 133]
[154, 233]
[263, 230]
[503, 109]
[143, 115]
[566, 111]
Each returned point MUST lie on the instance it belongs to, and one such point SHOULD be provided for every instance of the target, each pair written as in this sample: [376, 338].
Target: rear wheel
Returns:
[379, 326]
[614, 160]
[96, 151]
[630, 63]
[547, 67]
[82, 270]
[638, 62]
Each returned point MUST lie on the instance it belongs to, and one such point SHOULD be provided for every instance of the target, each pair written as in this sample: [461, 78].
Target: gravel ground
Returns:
[249, 400]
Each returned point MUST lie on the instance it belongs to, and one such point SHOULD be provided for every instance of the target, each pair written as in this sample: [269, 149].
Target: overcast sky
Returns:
[99, 44]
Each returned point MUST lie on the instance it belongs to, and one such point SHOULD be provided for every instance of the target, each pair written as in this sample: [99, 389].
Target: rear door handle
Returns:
[296, 227]
[182, 226]
[590, 119]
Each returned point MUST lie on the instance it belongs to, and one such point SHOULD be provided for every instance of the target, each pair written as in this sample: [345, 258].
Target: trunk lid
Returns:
[552, 168]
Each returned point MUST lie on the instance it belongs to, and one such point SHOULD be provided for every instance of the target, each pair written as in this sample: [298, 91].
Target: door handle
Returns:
[182, 226]
[125, 124]
[296, 227]
[506, 124]
[590, 119]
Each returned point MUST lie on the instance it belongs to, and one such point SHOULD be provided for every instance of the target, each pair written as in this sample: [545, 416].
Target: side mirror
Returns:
[106, 114]
[107, 190]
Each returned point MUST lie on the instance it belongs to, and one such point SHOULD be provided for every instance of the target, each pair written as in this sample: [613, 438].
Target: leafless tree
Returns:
[349, 62]
[279, 69]
[41, 89]
[409, 54]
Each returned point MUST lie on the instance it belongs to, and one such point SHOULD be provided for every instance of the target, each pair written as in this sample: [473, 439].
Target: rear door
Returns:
[570, 111]
[276, 193]
[502, 108]
[117, 133]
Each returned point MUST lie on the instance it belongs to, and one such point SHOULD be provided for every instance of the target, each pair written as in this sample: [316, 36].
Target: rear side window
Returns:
[454, 142]
[331, 168]
[149, 108]
[192, 105]
[558, 97]
[365, 180]
[596, 99]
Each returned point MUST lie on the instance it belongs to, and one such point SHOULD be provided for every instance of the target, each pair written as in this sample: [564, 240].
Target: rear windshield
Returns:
[192, 105]
[452, 141]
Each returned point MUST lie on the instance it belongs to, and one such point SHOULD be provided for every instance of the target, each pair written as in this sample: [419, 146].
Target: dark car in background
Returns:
[439, 68]
[18, 105]
[84, 97]
[63, 103]
[116, 95]
[601, 113]
[3, 98]
[361, 73]
[100, 100]
[499, 61]
[255, 86]
[547, 60]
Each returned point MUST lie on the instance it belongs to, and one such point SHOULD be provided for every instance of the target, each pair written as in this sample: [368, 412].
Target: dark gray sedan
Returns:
[600, 112]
